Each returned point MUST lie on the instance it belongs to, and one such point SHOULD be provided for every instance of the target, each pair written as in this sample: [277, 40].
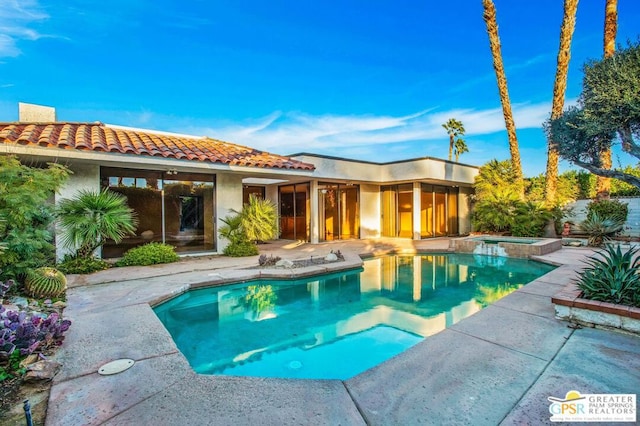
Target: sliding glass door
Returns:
[338, 212]
[397, 211]
[438, 211]
[294, 212]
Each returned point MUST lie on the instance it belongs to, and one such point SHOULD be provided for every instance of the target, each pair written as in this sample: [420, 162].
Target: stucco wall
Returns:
[632, 226]
[228, 197]
[414, 169]
[85, 177]
[370, 211]
[464, 210]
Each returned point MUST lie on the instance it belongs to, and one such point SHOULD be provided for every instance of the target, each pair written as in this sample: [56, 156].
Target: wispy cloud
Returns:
[295, 131]
[16, 20]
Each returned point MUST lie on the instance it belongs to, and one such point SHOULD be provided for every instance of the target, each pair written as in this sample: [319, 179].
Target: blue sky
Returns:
[371, 80]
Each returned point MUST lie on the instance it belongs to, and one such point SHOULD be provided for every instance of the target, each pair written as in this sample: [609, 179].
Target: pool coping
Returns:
[115, 320]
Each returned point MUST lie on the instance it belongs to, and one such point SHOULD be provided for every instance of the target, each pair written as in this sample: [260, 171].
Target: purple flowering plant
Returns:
[29, 333]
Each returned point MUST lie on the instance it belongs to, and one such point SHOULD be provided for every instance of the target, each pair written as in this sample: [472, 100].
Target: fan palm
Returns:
[460, 147]
[259, 219]
[93, 217]
[454, 128]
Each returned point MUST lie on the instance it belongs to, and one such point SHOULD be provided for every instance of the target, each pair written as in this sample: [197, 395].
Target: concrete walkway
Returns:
[495, 367]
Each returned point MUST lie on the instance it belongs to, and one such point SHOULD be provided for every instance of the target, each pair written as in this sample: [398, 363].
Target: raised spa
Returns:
[505, 246]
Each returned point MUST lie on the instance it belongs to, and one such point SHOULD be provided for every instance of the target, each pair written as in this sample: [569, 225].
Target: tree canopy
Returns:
[608, 110]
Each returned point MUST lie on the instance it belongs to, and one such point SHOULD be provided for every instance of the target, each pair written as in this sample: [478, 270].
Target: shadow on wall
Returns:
[631, 227]
[448, 171]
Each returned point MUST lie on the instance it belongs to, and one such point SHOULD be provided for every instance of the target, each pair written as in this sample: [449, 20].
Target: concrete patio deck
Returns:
[495, 367]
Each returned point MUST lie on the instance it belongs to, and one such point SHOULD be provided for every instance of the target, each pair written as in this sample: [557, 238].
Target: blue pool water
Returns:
[336, 326]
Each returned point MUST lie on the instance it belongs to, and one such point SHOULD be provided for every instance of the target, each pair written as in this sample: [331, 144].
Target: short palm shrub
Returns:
[91, 218]
[241, 249]
[239, 244]
[612, 276]
[601, 229]
[82, 265]
[495, 212]
[149, 254]
[259, 219]
[45, 282]
[530, 219]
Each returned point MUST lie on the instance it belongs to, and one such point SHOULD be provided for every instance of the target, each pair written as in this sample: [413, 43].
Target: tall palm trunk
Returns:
[451, 145]
[603, 184]
[494, 40]
[559, 90]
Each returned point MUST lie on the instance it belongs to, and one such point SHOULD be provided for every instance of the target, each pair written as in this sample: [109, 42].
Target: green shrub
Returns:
[25, 229]
[624, 189]
[612, 276]
[608, 209]
[530, 219]
[149, 254]
[82, 265]
[45, 282]
[241, 249]
[495, 212]
[239, 243]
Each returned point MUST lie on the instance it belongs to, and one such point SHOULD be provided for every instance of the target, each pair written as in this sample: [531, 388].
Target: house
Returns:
[182, 186]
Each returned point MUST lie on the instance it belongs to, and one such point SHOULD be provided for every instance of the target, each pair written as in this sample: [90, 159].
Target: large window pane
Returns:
[185, 219]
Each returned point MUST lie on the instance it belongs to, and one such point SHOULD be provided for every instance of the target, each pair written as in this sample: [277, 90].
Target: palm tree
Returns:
[93, 217]
[460, 147]
[603, 184]
[494, 41]
[259, 219]
[454, 128]
[559, 90]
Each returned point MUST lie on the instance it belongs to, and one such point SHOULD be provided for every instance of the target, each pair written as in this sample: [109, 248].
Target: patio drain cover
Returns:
[115, 367]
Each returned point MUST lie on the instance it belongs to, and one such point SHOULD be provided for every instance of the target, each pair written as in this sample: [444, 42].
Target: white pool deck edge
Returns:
[495, 367]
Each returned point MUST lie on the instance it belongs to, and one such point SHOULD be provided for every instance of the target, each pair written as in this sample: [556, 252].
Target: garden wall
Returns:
[632, 226]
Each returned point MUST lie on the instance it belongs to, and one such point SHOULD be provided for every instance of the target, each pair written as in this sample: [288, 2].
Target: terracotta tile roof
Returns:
[99, 137]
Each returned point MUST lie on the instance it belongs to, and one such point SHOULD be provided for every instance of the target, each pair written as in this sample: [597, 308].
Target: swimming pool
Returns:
[336, 326]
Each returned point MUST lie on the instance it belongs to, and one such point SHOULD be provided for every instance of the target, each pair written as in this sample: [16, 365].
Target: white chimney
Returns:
[32, 113]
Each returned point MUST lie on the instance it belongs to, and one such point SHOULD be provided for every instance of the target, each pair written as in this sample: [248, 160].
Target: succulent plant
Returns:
[45, 282]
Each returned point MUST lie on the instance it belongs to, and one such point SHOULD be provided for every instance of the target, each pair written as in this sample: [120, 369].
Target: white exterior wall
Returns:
[427, 168]
[228, 197]
[632, 225]
[85, 177]
[415, 169]
[417, 202]
[314, 203]
[464, 211]
[370, 214]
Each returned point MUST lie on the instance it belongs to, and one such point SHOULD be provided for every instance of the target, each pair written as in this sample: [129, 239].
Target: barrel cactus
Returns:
[45, 282]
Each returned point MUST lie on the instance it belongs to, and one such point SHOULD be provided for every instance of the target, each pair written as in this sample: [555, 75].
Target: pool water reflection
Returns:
[336, 326]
